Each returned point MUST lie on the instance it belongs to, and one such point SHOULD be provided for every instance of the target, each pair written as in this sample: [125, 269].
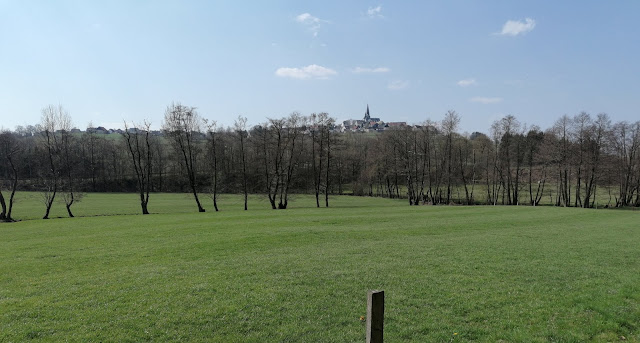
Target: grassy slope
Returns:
[517, 274]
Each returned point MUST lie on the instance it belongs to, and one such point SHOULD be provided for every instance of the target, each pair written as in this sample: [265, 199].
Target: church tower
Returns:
[367, 117]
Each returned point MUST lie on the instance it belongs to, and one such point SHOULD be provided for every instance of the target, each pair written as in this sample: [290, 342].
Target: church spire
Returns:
[367, 117]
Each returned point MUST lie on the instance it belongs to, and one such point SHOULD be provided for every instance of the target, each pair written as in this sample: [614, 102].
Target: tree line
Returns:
[579, 157]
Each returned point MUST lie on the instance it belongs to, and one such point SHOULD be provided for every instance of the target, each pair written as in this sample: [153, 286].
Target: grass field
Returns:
[489, 274]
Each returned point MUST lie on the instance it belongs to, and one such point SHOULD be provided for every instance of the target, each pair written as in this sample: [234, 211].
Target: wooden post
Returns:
[375, 316]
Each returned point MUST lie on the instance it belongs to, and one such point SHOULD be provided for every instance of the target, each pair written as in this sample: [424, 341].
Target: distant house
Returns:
[351, 123]
[396, 124]
[98, 130]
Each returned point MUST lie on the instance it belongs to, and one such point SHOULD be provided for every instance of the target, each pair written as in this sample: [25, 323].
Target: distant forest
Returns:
[568, 164]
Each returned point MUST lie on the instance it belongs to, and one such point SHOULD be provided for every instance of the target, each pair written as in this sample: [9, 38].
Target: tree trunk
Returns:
[143, 204]
[244, 173]
[195, 195]
[48, 205]
[3, 215]
[326, 190]
[69, 210]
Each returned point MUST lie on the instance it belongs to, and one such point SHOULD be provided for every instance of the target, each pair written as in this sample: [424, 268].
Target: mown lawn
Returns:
[489, 274]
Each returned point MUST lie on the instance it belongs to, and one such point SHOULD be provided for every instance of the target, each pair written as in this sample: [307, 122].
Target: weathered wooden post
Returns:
[375, 316]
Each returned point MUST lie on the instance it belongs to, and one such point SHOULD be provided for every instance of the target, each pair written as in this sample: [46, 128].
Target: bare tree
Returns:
[240, 127]
[537, 176]
[278, 140]
[449, 126]
[69, 164]
[427, 149]
[626, 143]
[596, 141]
[467, 166]
[213, 158]
[293, 154]
[10, 150]
[330, 140]
[91, 143]
[510, 154]
[581, 125]
[54, 122]
[140, 148]
[182, 125]
[562, 157]
[320, 146]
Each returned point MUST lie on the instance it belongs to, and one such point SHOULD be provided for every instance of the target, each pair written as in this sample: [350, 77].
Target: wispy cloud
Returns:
[517, 27]
[307, 18]
[485, 100]
[311, 22]
[312, 71]
[375, 12]
[397, 85]
[360, 70]
[467, 82]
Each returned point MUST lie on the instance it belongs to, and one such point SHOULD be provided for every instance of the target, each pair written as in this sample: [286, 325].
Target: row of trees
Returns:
[430, 163]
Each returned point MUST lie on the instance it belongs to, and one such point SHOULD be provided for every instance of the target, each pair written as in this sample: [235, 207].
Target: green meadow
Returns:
[450, 273]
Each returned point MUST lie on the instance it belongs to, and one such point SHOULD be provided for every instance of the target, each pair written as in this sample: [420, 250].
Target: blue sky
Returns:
[409, 60]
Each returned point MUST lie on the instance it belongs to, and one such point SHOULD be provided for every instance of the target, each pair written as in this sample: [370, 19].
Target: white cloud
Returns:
[375, 12]
[485, 100]
[307, 18]
[398, 85]
[467, 82]
[516, 27]
[360, 70]
[312, 71]
[313, 23]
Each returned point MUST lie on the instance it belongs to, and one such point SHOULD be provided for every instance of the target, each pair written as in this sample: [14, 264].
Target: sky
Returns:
[111, 61]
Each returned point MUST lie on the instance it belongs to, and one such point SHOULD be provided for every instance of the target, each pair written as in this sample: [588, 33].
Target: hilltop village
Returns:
[367, 124]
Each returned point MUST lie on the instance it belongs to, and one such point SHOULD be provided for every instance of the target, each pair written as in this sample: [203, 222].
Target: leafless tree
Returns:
[280, 149]
[467, 166]
[537, 167]
[69, 165]
[55, 121]
[294, 122]
[213, 140]
[319, 127]
[510, 151]
[182, 125]
[449, 124]
[91, 144]
[10, 150]
[427, 149]
[581, 125]
[330, 147]
[240, 128]
[595, 145]
[626, 143]
[562, 157]
[137, 139]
